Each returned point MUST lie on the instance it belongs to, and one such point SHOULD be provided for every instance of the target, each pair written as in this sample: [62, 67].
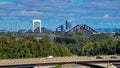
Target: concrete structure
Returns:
[38, 62]
[68, 24]
[60, 28]
[36, 21]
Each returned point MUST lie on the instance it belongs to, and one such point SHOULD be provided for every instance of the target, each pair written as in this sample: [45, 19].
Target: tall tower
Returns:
[68, 24]
[36, 21]
[62, 28]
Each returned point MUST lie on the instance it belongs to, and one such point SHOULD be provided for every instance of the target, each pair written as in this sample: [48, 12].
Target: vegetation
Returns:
[32, 46]
[97, 44]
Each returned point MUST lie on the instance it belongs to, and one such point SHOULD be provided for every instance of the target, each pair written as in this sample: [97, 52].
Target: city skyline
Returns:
[95, 13]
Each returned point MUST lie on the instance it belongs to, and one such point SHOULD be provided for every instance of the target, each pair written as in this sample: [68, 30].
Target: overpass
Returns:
[37, 62]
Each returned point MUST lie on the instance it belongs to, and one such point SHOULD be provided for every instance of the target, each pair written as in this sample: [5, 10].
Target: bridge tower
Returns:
[36, 21]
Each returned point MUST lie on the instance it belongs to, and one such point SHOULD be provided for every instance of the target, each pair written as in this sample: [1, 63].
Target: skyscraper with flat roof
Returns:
[60, 28]
[68, 24]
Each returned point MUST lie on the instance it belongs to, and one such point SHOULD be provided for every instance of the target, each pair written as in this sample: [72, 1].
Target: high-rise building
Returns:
[68, 24]
[60, 28]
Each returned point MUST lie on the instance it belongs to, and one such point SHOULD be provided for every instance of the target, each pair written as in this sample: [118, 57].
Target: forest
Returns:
[14, 46]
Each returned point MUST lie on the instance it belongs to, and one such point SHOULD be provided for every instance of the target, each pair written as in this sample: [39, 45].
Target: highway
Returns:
[58, 60]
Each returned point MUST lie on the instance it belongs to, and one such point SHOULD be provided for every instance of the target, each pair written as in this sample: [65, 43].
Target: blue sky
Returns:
[18, 14]
[7, 0]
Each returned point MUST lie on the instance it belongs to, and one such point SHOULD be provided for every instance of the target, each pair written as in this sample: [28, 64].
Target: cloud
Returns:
[103, 4]
[45, 2]
[106, 16]
[30, 13]
[60, 10]
[3, 13]
[101, 18]
[3, 3]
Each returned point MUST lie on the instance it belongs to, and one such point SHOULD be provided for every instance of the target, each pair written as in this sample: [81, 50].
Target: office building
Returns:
[60, 28]
[68, 24]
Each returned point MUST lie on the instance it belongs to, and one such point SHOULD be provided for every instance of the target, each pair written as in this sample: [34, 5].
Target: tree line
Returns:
[61, 45]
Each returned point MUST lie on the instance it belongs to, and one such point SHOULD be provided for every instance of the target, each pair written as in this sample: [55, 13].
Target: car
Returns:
[49, 57]
[99, 57]
[113, 57]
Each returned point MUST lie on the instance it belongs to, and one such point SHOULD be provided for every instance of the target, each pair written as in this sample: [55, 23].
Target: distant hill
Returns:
[107, 29]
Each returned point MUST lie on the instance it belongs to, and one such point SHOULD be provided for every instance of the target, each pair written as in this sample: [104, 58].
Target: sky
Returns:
[18, 14]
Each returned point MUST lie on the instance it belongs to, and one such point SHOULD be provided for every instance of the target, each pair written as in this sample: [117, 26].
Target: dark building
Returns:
[68, 24]
[43, 30]
[37, 30]
[29, 31]
[60, 28]
[4, 31]
[22, 31]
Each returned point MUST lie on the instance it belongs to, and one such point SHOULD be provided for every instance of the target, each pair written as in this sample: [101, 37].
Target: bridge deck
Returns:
[54, 60]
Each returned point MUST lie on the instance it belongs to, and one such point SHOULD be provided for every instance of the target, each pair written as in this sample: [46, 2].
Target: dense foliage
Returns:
[98, 44]
[31, 46]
